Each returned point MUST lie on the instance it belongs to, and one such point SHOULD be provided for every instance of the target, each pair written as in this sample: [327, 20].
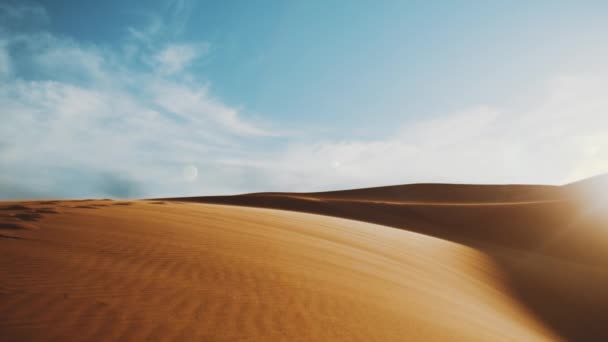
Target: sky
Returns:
[131, 99]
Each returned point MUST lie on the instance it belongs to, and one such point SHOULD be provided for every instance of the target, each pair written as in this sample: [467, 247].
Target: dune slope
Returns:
[550, 243]
[152, 270]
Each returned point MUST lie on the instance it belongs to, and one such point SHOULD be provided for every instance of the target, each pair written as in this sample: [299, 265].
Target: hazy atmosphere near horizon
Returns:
[128, 99]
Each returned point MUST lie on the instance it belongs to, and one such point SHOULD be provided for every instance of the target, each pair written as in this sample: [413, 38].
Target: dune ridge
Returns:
[551, 241]
[527, 263]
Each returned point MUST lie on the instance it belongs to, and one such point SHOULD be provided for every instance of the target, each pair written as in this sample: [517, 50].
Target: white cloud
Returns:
[562, 139]
[95, 120]
[197, 106]
[179, 14]
[177, 57]
[89, 115]
[51, 127]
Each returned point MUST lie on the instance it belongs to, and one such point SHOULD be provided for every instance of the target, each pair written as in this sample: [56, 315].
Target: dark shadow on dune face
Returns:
[15, 207]
[22, 217]
[122, 203]
[453, 193]
[11, 226]
[29, 216]
[3, 236]
[86, 207]
[569, 297]
[47, 211]
[553, 251]
[48, 202]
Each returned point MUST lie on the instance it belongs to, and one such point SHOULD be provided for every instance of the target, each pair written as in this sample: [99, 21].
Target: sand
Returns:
[518, 263]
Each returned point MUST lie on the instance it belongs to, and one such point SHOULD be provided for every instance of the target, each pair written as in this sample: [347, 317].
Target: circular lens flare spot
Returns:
[190, 173]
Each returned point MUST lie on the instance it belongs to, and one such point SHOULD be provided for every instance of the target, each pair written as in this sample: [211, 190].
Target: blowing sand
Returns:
[172, 270]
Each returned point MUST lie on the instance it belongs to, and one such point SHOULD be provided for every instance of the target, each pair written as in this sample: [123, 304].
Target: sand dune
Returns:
[443, 193]
[551, 242]
[525, 263]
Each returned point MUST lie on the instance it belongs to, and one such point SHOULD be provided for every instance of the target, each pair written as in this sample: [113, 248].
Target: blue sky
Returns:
[170, 98]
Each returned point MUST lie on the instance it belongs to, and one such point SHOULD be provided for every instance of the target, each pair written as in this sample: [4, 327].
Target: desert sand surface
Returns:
[549, 242]
[418, 262]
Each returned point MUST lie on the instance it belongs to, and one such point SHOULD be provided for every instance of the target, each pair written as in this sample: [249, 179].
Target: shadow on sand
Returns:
[553, 250]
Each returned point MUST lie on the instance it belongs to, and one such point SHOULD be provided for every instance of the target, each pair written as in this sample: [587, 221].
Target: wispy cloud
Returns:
[179, 14]
[196, 106]
[84, 120]
[177, 57]
[88, 111]
[564, 137]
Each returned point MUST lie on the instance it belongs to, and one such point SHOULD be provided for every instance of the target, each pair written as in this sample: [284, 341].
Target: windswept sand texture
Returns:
[517, 263]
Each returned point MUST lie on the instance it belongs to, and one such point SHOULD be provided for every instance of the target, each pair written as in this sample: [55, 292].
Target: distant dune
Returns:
[467, 262]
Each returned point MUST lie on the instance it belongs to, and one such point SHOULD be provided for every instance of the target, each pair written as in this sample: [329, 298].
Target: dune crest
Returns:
[551, 242]
[481, 267]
